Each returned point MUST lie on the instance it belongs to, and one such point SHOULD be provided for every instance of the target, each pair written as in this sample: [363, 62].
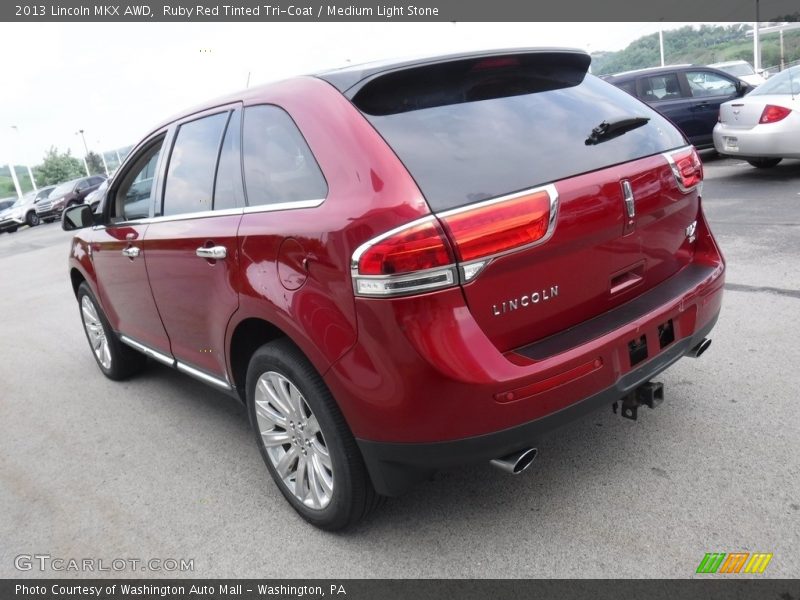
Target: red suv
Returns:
[405, 266]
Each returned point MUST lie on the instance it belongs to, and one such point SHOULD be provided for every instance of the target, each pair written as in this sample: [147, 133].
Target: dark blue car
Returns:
[688, 95]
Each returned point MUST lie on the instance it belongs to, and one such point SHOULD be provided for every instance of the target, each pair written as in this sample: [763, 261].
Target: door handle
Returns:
[212, 253]
[131, 252]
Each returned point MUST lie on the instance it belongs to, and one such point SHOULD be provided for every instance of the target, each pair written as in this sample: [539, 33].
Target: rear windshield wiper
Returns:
[606, 131]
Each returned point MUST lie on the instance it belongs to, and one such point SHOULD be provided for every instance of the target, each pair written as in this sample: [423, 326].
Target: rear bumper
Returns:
[394, 467]
[773, 140]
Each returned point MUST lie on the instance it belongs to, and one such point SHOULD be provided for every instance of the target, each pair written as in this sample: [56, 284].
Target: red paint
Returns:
[427, 367]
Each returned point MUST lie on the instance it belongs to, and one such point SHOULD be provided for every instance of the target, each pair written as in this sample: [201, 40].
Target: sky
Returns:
[116, 81]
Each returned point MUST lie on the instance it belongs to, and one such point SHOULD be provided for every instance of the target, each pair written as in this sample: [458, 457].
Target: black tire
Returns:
[352, 496]
[124, 360]
[31, 219]
[765, 163]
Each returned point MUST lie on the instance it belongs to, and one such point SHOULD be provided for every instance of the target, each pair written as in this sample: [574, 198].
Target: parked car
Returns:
[688, 95]
[7, 202]
[764, 127]
[405, 266]
[741, 69]
[95, 197]
[65, 195]
[23, 211]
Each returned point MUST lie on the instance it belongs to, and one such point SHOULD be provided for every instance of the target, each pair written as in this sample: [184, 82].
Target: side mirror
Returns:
[77, 217]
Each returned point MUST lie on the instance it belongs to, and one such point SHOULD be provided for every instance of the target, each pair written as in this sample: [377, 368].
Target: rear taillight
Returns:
[773, 114]
[413, 258]
[687, 168]
[418, 257]
[498, 225]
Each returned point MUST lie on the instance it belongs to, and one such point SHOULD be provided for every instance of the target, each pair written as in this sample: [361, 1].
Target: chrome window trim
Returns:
[246, 210]
[160, 357]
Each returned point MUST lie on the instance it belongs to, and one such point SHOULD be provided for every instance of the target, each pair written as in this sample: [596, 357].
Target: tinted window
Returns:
[705, 83]
[135, 192]
[82, 185]
[96, 180]
[461, 151]
[660, 87]
[228, 190]
[278, 164]
[785, 82]
[628, 86]
[190, 178]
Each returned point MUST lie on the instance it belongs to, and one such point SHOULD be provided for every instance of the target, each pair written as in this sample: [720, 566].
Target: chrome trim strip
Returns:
[155, 354]
[198, 374]
[284, 206]
[423, 277]
[204, 214]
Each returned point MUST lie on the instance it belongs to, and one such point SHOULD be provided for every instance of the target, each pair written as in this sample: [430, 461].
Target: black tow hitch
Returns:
[649, 394]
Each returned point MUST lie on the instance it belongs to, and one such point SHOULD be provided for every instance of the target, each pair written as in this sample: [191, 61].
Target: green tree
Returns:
[57, 167]
[95, 164]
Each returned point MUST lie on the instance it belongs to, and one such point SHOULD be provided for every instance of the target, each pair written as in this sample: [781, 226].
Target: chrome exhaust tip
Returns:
[700, 348]
[515, 463]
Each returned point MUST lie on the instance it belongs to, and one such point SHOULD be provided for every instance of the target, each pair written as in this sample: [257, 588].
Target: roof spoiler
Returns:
[464, 78]
[350, 80]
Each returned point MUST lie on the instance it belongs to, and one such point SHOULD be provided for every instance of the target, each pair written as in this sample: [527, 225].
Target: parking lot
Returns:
[162, 466]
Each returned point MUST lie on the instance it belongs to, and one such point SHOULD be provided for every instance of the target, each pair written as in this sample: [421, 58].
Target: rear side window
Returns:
[660, 87]
[628, 86]
[278, 164]
[478, 129]
[190, 177]
[228, 191]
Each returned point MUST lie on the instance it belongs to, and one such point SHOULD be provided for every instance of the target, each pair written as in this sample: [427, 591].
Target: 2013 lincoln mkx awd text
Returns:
[405, 266]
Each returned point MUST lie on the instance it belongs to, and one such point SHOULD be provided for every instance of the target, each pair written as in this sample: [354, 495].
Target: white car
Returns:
[23, 211]
[741, 69]
[763, 128]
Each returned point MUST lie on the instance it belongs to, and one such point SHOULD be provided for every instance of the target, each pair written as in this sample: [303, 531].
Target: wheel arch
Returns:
[247, 336]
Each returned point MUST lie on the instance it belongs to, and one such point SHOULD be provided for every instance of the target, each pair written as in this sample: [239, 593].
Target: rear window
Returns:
[482, 128]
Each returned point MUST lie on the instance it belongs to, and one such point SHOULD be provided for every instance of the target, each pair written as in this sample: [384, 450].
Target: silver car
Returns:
[763, 128]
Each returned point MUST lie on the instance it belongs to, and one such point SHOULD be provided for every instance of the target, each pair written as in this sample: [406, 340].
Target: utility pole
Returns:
[783, 63]
[661, 42]
[30, 173]
[14, 178]
[756, 42]
[86, 148]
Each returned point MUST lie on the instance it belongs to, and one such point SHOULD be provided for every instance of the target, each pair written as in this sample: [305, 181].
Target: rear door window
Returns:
[190, 175]
[660, 87]
[278, 164]
[472, 130]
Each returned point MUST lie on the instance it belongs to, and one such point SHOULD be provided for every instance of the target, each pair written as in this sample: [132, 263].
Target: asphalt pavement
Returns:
[164, 467]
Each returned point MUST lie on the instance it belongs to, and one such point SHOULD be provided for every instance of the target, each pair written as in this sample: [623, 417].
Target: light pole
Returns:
[86, 148]
[103, 157]
[27, 166]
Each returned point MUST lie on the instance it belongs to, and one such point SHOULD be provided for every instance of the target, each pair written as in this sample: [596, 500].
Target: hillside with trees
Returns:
[700, 45]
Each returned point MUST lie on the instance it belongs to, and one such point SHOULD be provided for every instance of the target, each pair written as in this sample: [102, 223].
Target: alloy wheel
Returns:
[96, 332]
[293, 440]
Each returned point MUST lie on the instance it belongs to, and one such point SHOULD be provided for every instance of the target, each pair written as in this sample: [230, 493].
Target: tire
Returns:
[283, 386]
[31, 219]
[765, 163]
[116, 360]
